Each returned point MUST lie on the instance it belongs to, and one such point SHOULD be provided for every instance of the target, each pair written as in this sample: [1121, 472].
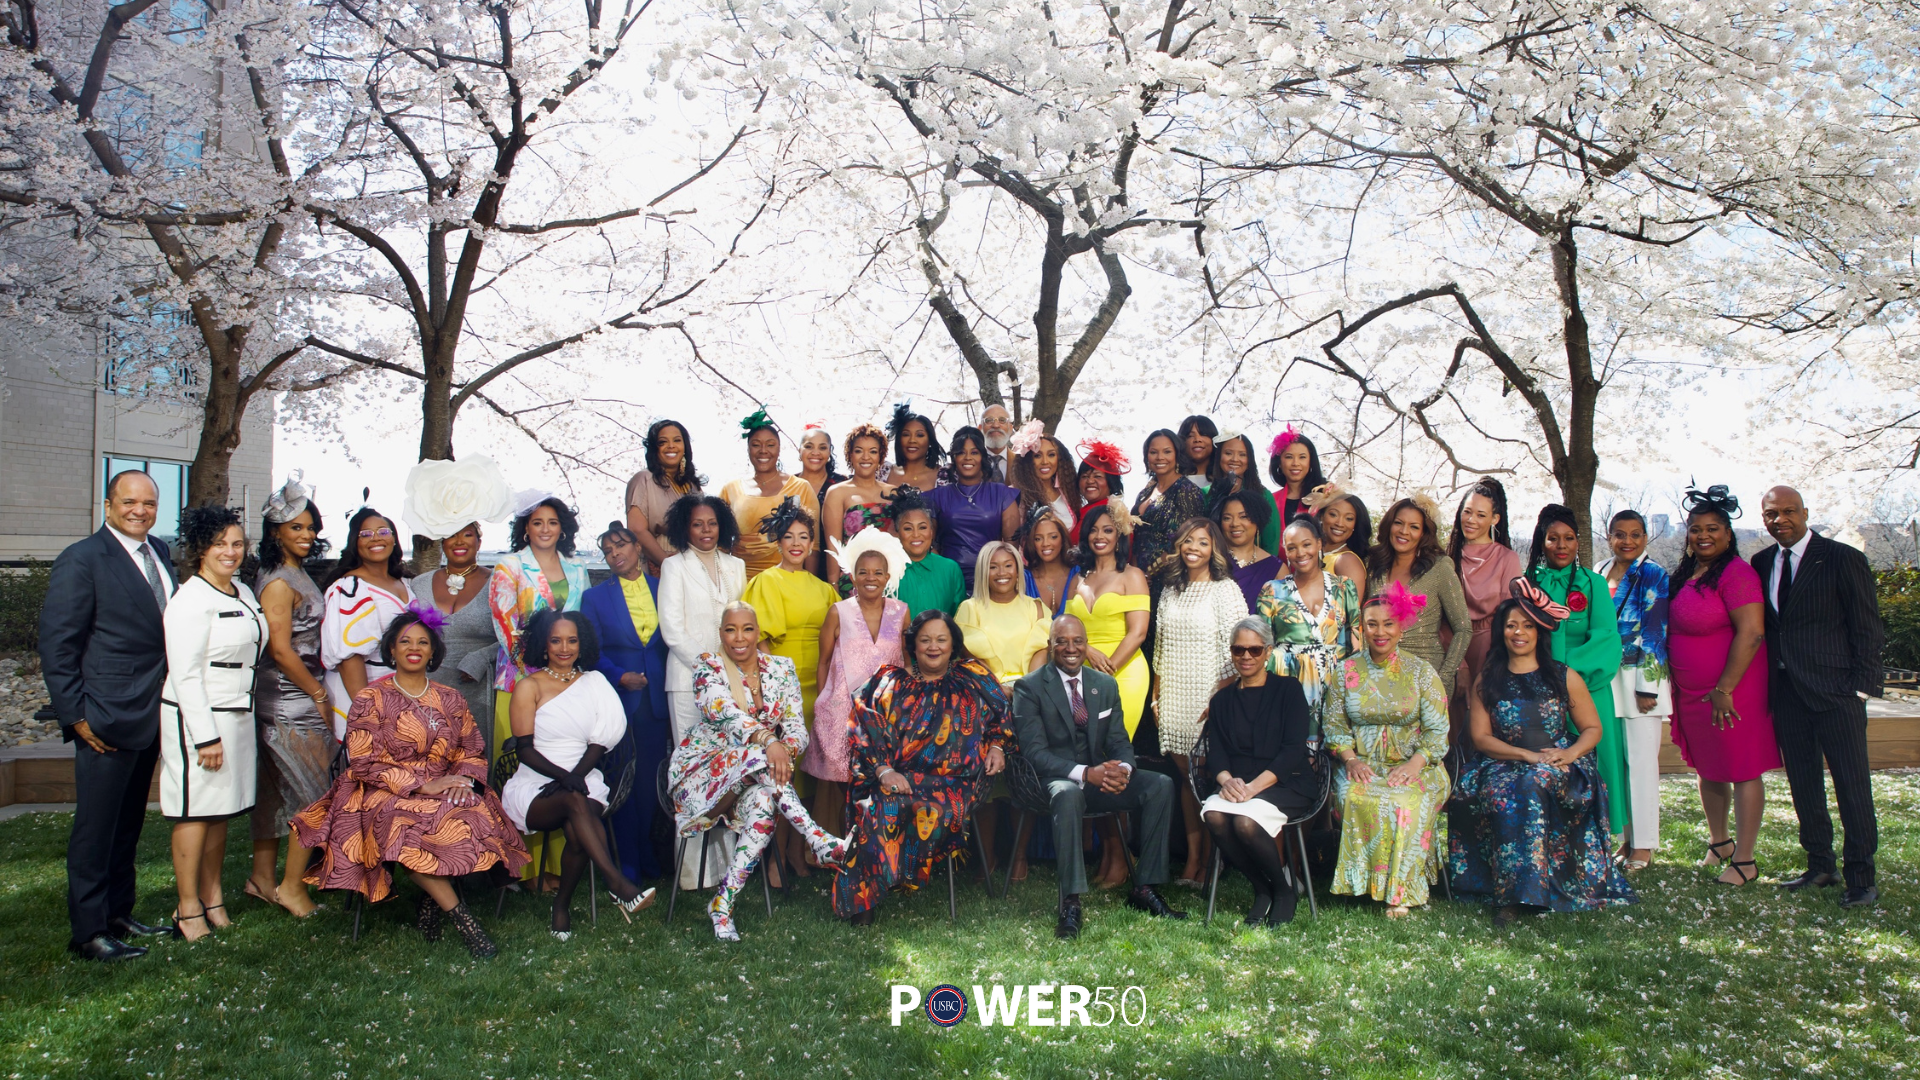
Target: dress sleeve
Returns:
[1598, 657]
[1268, 608]
[673, 623]
[467, 754]
[765, 597]
[1651, 676]
[350, 626]
[956, 586]
[782, 692]
[1349, 594]
[998, 727]
[503, 602]
[189, 626]
[1739, 585]
[871, 746]
[1433, 715]
[1453, 611]
[370, 745]
[1339, 729]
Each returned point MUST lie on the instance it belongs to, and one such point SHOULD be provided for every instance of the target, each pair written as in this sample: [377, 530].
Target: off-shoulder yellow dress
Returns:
[1106, 627]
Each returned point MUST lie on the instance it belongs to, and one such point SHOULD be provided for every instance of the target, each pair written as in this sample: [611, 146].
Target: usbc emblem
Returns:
[946, 1005]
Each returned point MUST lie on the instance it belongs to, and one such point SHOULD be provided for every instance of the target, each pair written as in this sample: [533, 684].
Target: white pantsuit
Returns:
[1643, 732]
[690, 603]
[214, 642]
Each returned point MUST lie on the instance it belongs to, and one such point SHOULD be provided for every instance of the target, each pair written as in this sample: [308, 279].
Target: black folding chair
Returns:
[1203, 789]
[1031, 795]
[665, 794]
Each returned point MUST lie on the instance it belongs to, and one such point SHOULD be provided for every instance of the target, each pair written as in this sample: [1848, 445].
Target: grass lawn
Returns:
[1697, 980]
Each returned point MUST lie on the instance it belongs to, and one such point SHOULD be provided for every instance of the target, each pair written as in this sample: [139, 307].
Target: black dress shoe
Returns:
[1146, 899]
[1860, 896]
[106, 949]
[1069, 924]
[1284, 904]
[129, 928]
[1257, 914]
[1809, 879]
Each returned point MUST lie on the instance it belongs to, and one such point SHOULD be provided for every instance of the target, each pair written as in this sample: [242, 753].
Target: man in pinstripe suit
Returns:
[1823, 638]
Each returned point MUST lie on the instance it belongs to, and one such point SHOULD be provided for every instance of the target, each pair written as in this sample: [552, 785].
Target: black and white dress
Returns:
[214, 642]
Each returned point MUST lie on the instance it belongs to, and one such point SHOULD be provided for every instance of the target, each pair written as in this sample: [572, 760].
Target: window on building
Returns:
[149, 352]
[169, 476]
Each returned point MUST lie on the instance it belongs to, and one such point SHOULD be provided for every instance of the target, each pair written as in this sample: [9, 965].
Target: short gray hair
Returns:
[1255, 625]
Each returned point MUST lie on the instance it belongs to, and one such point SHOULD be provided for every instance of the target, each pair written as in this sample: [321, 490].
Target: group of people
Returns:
[848, 673]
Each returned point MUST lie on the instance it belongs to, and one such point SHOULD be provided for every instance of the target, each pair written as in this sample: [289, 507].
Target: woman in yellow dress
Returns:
[1110, 599]
[754, 499]
[791, 604]
[1006, 630]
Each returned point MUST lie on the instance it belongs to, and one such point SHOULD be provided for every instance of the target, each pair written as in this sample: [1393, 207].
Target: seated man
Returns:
[1069, 723]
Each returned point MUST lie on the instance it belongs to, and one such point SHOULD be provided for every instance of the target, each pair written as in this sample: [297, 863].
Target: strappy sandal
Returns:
[182, 934]
[1746, 876]
[1714, 857]
[220, 908]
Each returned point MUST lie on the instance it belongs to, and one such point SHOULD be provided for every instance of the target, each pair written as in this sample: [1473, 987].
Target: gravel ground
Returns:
[21, 695]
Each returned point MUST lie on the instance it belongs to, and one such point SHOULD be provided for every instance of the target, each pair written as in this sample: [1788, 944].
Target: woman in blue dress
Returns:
[1529, 824]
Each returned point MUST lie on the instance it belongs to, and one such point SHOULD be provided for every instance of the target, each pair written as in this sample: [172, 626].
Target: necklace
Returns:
[970, 496]
[403, 687]
[457, 579]
[566, 679]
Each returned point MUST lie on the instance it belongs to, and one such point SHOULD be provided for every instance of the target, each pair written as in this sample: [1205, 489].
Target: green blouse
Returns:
[933, 582]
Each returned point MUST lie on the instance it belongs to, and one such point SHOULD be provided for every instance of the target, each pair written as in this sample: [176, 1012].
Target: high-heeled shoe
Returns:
[640, 902]
[1713, 856]
[722, 916]
[471, 935]
[182, 934]
[222, 909]
[427, 918]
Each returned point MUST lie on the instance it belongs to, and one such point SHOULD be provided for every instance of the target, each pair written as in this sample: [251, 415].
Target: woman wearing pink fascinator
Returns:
[1386, 723]
[1294, 464]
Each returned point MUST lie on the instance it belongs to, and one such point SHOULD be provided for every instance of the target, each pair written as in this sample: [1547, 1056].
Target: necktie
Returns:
[151, 568]
[1786, 579]
[1079, 703]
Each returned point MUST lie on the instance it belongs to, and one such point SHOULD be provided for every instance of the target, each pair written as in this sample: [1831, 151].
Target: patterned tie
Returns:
[1079, 703]
[151, 569]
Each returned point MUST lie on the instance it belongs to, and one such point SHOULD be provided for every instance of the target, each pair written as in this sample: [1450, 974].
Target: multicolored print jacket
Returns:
[1640, 602]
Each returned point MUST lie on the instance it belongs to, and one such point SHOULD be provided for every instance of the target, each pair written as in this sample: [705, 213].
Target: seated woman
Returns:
[414, 791]
[566, 717]
[1387, 723]
[1257, 731]
[1530, 827]
[926, 737]
[738, 761]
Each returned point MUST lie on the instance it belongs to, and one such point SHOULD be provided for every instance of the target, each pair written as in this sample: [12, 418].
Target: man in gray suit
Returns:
[1071, 730]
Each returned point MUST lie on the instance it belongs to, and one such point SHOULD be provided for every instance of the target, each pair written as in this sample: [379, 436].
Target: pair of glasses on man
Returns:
[371, 534]
[1247, 650]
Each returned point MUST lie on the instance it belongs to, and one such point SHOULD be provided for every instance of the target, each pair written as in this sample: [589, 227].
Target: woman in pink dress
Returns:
[861, 635]
[1483, 554]
[1718, 655]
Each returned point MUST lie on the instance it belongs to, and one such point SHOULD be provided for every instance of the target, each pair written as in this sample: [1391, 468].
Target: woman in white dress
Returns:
[697, 583]
[215, 635]
[566, 719]
[366, 594]
[1196, 604]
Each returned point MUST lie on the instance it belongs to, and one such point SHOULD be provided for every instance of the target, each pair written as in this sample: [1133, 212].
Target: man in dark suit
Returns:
[637, 667]
[103, 653]
[1072, 731]
[1823, 646]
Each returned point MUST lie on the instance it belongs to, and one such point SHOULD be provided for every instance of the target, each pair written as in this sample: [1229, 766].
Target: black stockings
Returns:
[579, 819]
[1249, 850]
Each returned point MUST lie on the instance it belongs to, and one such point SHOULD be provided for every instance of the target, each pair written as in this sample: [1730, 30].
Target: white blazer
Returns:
[690, 606]
[214, 643]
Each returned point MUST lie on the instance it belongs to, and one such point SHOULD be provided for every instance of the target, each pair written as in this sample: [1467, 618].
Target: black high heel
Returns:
[427, 919]
[179, 918]
[1746, 876]
[471, 934]
[1713, 852]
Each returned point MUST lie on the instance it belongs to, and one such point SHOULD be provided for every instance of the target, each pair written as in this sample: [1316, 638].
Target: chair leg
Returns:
[593, 895]
[1213, 883]
[953, 902]
[359, 903]
[673, 893]
[766, 887]
[1306, 872]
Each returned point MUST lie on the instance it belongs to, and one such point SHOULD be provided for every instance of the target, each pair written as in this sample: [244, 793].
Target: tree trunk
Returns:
[223, 404]
[1582, 468]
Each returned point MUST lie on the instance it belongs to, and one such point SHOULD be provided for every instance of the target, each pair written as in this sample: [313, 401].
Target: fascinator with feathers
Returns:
[431, 617]
[872, 538]
[1027, 439]
[775, 525]
[1104, 456]
[1282, 441]
[1716, 500]
[759, 419]
[1323, 496]
[902, 413]
[290, 501]
[1123, 519]
[905, 500]
[1403, 604]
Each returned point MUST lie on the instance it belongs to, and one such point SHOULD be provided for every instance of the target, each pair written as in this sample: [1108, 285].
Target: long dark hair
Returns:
[903, 415]
[688, 477]
[1716, 501]
[1494, 675]
[1494, 492]
[1188, 466]
[350, 553]
[1083, 555]
[1248, 481]
[1170, 570]
[569, 526]
[271, 555]
[1425, 554]
[1550, 514]
[1065, 476]
[1314, 477]
[1361, 542]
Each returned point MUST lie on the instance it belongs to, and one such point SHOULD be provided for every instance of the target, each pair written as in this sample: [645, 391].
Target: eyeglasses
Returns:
[376, 534]
[1248, 650]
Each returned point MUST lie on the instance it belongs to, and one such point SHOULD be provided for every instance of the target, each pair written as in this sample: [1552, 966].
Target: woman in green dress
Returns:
[1387, 725]
[1587, 641]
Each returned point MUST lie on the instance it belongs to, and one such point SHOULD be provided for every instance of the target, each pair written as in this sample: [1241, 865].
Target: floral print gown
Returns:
[718, 758]
[372, 816]
[1386, 713]
[1531, 834]
[936, 734]
[1306, 646]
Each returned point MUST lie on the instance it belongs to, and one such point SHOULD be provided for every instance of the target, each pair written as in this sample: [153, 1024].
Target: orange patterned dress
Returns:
[371, 816]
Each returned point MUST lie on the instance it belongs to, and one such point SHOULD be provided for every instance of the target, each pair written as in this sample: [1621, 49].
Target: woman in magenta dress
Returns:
[1717, 652]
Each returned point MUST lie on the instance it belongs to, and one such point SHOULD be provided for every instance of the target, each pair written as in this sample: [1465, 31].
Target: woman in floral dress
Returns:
[1314, 613]
[1387, 724]
[738, 762]
[927, 739]
[1529, 828]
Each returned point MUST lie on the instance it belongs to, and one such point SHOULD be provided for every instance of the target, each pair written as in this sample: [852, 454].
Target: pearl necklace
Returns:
[425, 685]
[567, 679]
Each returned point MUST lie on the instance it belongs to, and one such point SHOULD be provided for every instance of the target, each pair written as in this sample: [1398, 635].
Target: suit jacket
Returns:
[1043, 721]
[1264, 730]
[605, 605]
[690, 608]
[1829, 637]
[103, 648]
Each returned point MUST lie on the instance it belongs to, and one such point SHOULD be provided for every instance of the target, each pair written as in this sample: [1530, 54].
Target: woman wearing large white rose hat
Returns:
[448, 501]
